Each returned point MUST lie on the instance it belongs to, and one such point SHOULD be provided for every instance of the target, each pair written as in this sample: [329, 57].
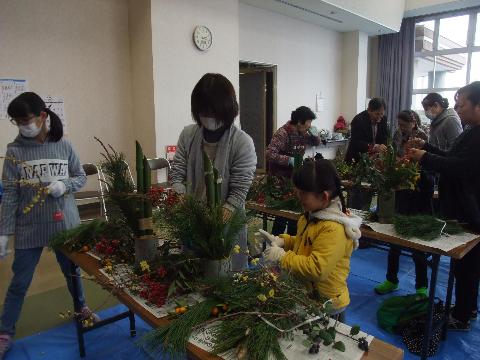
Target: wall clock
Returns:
[202, 37]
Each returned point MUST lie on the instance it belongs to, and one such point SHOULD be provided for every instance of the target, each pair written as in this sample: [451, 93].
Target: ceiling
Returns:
[321, 13]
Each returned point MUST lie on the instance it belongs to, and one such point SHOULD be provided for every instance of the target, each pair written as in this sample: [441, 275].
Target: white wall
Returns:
[178, 65]
[354, 73]
[388, 13]
[308, 60]
[75, 49]
[140, 31]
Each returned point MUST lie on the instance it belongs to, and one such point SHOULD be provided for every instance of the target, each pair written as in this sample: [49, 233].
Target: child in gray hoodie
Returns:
[39, 155]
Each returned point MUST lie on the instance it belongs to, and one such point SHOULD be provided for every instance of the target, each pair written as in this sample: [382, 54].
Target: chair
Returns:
[89, 196]
[158, 164]
[130, 173]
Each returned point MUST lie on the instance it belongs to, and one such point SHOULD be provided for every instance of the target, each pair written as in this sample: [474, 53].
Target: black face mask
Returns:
[213, 136]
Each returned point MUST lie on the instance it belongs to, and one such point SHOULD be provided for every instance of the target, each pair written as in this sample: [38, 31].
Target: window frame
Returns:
[469, 49]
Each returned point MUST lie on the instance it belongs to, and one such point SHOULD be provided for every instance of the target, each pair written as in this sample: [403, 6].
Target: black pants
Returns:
[467, 274]
[419, 258]
[279, 225]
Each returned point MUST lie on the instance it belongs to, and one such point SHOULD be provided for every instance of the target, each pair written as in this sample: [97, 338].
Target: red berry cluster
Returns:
[163, 198]
[156, 195]
[107, 246]
[341, 124]
[152, 290]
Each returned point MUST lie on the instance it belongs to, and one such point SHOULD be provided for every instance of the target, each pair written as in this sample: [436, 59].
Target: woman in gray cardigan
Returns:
[214, 108]
[445, 124]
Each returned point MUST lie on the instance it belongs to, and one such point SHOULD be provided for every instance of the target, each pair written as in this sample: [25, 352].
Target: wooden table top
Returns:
[379, 350]
[456, 253]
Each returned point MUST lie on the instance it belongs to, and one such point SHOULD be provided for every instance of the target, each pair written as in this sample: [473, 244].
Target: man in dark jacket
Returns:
[369, 130]
[369, 133]
[459, 191]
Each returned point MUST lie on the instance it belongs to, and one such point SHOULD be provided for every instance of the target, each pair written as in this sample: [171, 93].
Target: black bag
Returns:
[413, 332]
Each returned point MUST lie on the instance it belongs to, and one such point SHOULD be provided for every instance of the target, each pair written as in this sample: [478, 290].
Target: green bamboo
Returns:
[218, 186]
[209, 180]
[147, 180]
[297, 160]
[140, 182]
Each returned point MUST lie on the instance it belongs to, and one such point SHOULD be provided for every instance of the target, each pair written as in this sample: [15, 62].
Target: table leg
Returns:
[431, 302]
[264, 226]
[76, 307]
[448, 300]
[131, 317]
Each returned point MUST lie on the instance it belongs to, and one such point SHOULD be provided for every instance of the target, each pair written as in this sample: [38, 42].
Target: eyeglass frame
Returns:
[27, 122]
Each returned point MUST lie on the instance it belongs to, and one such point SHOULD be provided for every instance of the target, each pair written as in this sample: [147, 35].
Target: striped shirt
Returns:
[39, 163]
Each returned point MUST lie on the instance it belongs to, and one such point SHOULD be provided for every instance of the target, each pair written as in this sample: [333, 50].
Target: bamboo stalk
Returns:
[297, 160]
[147, 180]
[209, 180]
[140, 182]
[218, 186]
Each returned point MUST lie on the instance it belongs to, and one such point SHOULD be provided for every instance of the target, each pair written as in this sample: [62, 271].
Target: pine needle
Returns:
[424, 227]
[174, 337]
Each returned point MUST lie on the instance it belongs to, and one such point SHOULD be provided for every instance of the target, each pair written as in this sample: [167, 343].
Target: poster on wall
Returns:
[56, 104]
[171, 150]
[9, 89]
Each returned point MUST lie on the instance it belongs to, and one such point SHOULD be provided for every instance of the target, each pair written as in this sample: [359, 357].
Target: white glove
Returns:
[57, 188]
[272, 239]
[273, 254]
[3, 246]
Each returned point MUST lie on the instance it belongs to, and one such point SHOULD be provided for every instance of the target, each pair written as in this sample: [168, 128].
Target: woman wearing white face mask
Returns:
[214, 108]
[445, 124]
[47, 158]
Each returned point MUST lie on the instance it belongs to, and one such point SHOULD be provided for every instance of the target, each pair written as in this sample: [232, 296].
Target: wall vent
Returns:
[309, 11]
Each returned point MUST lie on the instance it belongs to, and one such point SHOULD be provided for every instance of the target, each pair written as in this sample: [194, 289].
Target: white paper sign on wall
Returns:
[9, 89]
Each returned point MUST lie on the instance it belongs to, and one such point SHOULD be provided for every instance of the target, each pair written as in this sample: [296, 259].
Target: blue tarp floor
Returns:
[367, 269]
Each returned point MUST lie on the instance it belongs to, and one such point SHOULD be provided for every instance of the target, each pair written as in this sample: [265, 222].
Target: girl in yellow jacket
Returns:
[327, 234]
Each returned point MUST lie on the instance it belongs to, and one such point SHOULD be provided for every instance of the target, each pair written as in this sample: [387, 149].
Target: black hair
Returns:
[301, 115]
[30, 103]
[376, 104]
[214, 95]
[416, 117]
[409, 116]
[433, 98]
[317, 176]
[471, 91]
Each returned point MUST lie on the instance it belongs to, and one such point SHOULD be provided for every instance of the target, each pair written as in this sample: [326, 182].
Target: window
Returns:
[447, 55]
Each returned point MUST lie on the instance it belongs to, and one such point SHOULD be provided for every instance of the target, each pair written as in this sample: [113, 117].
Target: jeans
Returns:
[419, 258]
[24, 264]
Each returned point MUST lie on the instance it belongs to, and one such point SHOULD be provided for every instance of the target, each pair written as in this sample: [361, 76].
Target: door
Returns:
[253, 101]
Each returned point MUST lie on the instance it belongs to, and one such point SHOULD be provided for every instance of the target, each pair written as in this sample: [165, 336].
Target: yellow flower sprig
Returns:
[144, 266]
[41, 191]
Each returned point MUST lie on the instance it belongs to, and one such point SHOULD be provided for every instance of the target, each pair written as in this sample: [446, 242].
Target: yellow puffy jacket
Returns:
[320, 255]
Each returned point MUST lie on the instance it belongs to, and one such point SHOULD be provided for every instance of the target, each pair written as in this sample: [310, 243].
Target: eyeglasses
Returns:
[24, 121]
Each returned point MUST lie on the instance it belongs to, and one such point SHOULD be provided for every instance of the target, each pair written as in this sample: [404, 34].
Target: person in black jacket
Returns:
[368, 133]
[459, 192]
[369, 130]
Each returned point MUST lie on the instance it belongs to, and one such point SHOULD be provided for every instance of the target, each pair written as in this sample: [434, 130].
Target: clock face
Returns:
[202, 37]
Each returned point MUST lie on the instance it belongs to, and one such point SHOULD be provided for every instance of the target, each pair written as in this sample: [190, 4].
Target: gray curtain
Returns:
[395, 69]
